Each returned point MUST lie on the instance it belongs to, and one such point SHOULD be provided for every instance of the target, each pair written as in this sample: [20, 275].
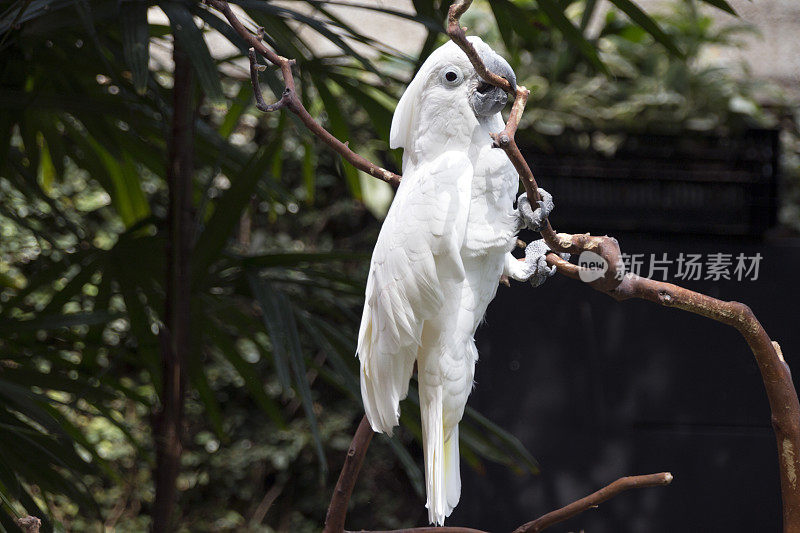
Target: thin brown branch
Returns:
[290, 99]
[459, 36]
[337, 510]
[595, 499]
[266, 502]
[775, 372]
[505, 139]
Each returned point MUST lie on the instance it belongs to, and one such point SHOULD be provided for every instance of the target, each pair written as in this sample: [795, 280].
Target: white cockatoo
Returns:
[440, 254]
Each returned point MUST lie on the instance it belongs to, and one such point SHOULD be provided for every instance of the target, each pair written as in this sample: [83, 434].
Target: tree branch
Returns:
[290, 99]
[337, 510]
[595, 499]
[775, 372]
[606, 247]
[459, 36]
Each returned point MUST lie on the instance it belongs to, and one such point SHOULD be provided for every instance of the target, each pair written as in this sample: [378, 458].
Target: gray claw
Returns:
[535, 219]
[535, 257]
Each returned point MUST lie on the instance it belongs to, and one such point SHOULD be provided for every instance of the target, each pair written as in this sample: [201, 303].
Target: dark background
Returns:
[597, 389]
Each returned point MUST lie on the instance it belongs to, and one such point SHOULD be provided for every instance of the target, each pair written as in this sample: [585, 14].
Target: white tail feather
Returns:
[442, 471]
[452, 470]
[433, 447]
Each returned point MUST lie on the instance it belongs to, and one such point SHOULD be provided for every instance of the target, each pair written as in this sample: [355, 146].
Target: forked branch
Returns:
[558, 242]
[775, 372]
[334, 523]
[290, 99]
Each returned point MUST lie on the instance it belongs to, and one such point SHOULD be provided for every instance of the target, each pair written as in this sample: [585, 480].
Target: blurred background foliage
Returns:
[283, 231]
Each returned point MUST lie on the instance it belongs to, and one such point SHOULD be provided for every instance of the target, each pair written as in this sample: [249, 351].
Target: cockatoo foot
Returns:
[534, 267]
[534, 219]
[535, 264]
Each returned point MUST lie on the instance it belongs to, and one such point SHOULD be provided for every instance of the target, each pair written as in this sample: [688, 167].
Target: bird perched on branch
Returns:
[440, 254]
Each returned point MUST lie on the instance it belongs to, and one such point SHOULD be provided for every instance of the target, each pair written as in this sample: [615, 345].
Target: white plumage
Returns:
[437, 262]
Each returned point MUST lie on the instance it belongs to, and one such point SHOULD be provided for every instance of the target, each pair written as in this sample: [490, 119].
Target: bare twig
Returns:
[334, 522]
[290, 99]
[337, 510]
[594, 499]
[458, 35]
[266, 502]
[775, 372]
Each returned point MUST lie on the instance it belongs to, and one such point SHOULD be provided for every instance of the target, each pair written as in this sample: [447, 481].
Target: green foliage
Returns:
[85, 123]
[643, 86]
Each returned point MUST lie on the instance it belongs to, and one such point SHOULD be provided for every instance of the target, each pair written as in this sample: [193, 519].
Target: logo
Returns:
[593, 266]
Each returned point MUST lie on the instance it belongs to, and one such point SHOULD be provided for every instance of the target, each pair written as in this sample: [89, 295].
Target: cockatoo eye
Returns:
[452, 75]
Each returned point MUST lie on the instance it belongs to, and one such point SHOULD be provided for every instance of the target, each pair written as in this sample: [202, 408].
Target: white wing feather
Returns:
[417, 250]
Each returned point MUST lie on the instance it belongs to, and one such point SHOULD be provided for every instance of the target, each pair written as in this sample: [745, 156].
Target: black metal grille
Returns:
[688, 183]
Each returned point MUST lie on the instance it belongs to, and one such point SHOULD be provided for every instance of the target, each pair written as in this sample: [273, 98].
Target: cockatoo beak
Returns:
[487, 99]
